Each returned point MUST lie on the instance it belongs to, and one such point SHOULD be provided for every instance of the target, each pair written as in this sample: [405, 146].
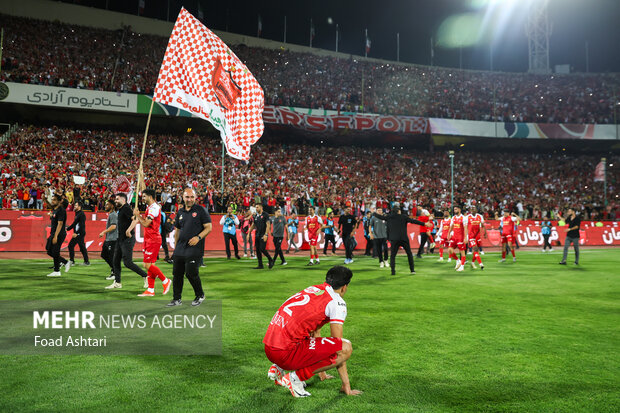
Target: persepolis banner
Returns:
[27, 231]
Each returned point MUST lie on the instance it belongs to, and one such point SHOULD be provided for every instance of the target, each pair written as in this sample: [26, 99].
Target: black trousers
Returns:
[53, 250]
[369, 244]
[107, 253]
[423, 241]
[395, 246]
[546, 244]
[349, 245]
[329, 238]
[381, 248]
[164, 245]
[228, 238]
[261, 249]
[277, 243]
[185, 267]
[124, 252]
[79, 240]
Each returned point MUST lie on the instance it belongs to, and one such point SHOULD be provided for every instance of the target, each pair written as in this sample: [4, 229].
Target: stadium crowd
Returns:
[37, 162]
[126, 61]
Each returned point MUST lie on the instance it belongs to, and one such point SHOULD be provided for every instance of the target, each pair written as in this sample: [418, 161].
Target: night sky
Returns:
[573, 22]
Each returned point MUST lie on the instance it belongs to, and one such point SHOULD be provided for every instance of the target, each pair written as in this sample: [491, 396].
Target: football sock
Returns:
[440, 252]
[503, 253]
[156, 273]
[513, 253]
[463, 260]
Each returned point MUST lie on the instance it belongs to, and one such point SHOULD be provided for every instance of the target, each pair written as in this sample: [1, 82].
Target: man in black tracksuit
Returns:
[79, 232]
[262, 223]
[125, 243]
[193, 224]
[397, 234]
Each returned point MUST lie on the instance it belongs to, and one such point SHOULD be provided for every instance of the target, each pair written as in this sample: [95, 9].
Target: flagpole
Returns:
[366, 44]
[223, 156]
[336, 37]
[363, 109]
[140, 184]
[284, 29]
[432, 52]
[310, 31]
[604, 160]
[1, 44]
[398, 47]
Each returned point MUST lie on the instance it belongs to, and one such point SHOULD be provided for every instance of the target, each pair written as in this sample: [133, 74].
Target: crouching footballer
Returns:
[293, 341]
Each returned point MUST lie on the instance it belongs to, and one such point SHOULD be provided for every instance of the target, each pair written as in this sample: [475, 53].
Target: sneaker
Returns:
[481, 266]
[461, 268]
[458, 264]
[412, 273]
[381, 264]
[146, 282]
[260, 267]
[481, 252]
[275, 373]
[86, 264]
[351, 261]
[114, 285]
[68, 266]
[310, 263]
[473, 265]
[502, 260]
[296, 386]
[174, 303]
[198, 300]
[543, 250]
[245, 255]
[550, 249]
[147, 293]
[440, 259]
[166, 284]
[449, 259]
[562, 262]
[169, 261]
[514, 259]
[237, 257]
[393, 272]
[284, 263]
[71, 262]
[253, 257]
[110, 277]
[318, 261]
[54, 274]
[576, 263]
[271, 263]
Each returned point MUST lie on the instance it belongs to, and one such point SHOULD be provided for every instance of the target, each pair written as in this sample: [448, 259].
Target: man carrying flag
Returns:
[201, 75]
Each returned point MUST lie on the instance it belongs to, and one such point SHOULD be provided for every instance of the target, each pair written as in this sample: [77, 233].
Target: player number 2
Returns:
[305, 300]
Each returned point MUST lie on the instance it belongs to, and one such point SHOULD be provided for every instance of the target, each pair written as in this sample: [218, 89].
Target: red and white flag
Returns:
[201, 75]
[599, 172]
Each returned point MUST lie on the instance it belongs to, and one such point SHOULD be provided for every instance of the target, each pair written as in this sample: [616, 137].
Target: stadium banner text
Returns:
[67, 97]
[459, 127]
[27, 231]
[111, 327]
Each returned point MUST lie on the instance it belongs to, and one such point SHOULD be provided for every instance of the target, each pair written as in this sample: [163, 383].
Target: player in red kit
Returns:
[313, 226]
[475, 224]
[151, 222]
[444, 230]
[293, 341]
[507, 224]
[458, 239]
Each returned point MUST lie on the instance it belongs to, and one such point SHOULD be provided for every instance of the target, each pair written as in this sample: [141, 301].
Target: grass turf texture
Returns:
[531, 336]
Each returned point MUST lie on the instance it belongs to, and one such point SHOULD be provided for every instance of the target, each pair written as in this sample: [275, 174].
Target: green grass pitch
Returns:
[531, 336]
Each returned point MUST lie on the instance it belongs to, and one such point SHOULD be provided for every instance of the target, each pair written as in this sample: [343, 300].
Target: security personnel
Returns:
[79, 232]
[58, 217]
[111, 235]
[193, 224]
[262, 223]
[229, 223]
[328, 229]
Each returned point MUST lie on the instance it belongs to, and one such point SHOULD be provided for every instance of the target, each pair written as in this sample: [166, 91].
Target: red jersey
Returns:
[151, 233]
[508, 225]
[313, 224]
[474, 222]
[445, 227]
[303, 313]
[458, 227]
[423, 228]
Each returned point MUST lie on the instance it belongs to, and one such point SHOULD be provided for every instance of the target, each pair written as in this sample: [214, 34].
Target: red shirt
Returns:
[473, 224]
[151, 233]
[445, 227]
[424, 219]
[313, 224]
[303, 313]
[508, 225]
[458, 227]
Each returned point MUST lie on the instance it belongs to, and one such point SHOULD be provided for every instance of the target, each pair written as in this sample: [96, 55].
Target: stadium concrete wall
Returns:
[27, 231]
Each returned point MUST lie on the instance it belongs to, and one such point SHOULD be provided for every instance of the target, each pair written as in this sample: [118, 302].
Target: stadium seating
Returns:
[326, 176]
[74, 56]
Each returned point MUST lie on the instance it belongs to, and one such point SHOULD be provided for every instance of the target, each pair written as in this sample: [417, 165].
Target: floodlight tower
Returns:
[538, 32]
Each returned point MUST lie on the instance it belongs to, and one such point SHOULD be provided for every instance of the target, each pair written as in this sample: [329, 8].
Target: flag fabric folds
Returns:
[201, 75]
[599, 172]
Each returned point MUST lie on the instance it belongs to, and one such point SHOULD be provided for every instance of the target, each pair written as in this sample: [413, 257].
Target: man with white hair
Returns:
[424, 217]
